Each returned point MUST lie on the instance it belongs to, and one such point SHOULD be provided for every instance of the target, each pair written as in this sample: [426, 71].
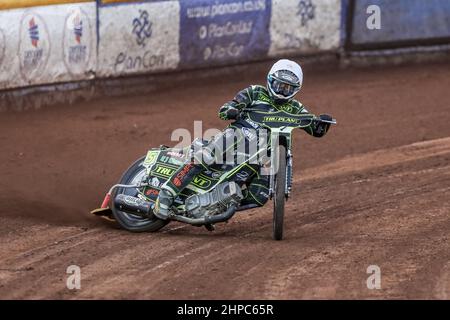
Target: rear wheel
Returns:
[280, 195]
[134, 222]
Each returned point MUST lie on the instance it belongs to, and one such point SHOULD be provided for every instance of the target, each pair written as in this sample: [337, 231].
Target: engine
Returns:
[214, 202]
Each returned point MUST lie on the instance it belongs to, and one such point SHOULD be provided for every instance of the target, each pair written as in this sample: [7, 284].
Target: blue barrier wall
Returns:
[345, 5]
[402, 21]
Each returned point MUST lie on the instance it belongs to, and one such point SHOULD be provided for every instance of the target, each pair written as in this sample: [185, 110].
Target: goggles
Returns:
[283, 88]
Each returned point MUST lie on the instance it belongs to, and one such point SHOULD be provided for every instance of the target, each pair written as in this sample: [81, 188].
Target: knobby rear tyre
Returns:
[131, 222]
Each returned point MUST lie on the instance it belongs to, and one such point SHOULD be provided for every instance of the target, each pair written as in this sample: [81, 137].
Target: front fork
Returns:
[288, 186]
[288, 173]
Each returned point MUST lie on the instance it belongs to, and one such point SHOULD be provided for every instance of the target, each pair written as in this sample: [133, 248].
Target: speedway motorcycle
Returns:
[214, 195]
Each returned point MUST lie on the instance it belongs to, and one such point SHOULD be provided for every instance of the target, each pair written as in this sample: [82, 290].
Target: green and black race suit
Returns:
[257, 98]
[253, 98]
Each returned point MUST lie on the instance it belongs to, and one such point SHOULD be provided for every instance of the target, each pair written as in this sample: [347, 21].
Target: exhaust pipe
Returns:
[221, 217]
[132, 204]
[208, 220]
[135, 205]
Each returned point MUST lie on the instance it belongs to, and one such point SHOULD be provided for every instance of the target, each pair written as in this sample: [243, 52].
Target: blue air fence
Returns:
[403, 23]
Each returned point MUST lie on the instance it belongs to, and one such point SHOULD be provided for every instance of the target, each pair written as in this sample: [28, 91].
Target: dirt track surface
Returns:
[375, 191]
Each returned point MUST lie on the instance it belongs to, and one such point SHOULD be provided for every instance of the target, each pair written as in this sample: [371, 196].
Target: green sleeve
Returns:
[243, 99]
[300, 109]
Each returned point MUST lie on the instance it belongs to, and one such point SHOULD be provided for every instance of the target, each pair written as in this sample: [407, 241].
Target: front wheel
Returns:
[280, 195]
[134, 222]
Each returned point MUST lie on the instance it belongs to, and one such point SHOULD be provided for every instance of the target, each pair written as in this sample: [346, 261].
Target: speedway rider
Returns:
[284, 81]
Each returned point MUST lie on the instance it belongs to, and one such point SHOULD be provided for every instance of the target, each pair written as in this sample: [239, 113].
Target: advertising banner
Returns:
[223, 31]
[138, 38]
[401, 21]
[47, 44]
[305, 26]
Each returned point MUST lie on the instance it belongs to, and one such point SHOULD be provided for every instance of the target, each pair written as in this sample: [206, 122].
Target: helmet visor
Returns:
[283, 88]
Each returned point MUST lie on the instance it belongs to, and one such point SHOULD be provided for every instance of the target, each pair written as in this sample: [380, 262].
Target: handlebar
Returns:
[333, 121]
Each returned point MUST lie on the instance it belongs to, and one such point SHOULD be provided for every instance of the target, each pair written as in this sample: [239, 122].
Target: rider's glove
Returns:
[232, 113]
[321, 128]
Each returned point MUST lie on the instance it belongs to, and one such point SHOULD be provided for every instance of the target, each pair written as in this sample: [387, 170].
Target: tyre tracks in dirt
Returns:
[327, 249]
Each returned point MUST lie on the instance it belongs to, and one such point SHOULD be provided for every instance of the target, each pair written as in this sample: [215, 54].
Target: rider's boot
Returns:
[163, 203]
[172, 188]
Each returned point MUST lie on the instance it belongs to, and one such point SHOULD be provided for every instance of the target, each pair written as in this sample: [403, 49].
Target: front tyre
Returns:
[134, 222]
[280, 195]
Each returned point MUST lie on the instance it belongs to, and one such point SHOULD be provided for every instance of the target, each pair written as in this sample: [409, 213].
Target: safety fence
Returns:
[61, 41]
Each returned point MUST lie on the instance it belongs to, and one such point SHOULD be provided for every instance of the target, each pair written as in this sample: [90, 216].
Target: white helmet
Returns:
[284, 80]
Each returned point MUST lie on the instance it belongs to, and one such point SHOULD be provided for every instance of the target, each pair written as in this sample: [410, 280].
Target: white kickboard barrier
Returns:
[138, 38]
[58, 43]
[304, 27]
[48, 44]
